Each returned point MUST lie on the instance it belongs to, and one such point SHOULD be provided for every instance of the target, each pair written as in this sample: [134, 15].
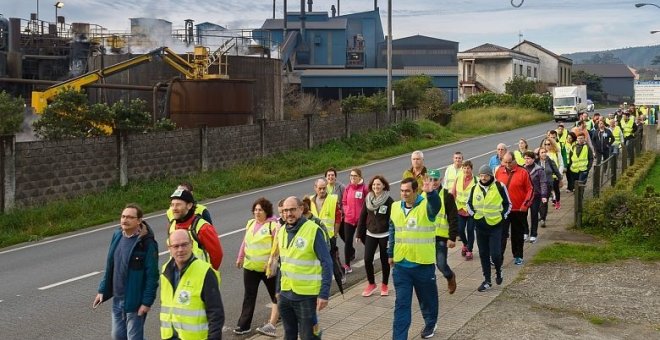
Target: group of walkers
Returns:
[295, 252]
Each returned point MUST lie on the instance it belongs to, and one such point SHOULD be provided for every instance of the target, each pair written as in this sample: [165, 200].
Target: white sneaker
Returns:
[532, 239]
[525, 237]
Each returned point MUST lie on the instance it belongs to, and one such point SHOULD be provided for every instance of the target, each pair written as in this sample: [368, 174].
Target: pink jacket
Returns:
[352, 202]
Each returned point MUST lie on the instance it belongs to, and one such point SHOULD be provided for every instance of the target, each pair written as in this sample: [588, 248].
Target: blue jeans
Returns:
[298, 317]
[126, 326]
[489, 241]
[422, 279]
[441, 259]
[466, 231]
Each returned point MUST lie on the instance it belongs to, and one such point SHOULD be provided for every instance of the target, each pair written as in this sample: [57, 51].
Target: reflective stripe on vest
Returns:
[462, 194]
[327, 213]
[451, 174]
[627, 127]
[520, 159]
[441, 224]
[257, 247]
[562, 136]
[197, 250]
[488, 206]
[182, 309]
[414, 238]
[300, 268]
[579, 162]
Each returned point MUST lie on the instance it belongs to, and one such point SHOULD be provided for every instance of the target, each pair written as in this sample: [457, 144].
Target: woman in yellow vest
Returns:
[553, 150]
[519, 154]
[253, 258]
[617, 132]
[461, 191]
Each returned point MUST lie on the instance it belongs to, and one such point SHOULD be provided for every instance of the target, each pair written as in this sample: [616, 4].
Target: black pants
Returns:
[543, 210]
[555, 188]
[571, 177]
[534, 216]
[349, 235]
[370, 245]
[251, 280]
[517, 221]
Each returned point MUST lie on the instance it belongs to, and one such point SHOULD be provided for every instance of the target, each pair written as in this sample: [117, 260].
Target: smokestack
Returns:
[375, 5]
[309, 5]
[333, 10]
[302, 19]
[285, 22]
[338, 7]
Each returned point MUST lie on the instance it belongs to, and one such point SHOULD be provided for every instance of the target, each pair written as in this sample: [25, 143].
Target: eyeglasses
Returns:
[180, 245]
[548, 144]
[289, 210]
[128, 217]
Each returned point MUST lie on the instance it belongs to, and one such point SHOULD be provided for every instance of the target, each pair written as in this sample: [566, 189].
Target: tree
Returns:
[656, 60]
[132, 116]
[410, 90]
[593, 82]
[70, 116]
[11, 113]
[519, 85]
[605, 58]
[434, 104]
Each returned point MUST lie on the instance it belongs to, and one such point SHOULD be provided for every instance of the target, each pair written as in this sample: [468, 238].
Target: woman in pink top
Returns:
[253, 258]
[352, 202]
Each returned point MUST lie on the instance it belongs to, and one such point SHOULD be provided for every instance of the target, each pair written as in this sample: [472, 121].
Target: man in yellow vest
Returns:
[446, 229]
[306, 272]
[489, 205]
[199, 208]
[617, 133]
[412, 254]
[191, 304]
[453, 171]
[582, 158]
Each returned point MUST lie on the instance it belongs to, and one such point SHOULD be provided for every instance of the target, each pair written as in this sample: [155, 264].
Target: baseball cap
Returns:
[183, 195]
[434, 173]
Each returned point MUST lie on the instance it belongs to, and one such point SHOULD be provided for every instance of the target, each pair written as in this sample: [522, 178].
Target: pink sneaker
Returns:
[369, 289]
[557, 205]
[468, 256]
[384, 291]
[464, 251]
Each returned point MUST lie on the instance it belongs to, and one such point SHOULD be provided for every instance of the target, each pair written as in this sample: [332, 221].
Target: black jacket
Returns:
[376, 222]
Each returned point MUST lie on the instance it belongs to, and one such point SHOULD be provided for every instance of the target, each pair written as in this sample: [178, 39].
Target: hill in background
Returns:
[637, 57]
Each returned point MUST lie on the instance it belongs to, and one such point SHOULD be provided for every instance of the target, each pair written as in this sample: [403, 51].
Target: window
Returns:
[514, 69]
[535, 75]
[529, 71]
[520, 71]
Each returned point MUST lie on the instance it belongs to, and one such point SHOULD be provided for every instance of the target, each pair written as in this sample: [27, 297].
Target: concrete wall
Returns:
[548, 70]
[34, 173]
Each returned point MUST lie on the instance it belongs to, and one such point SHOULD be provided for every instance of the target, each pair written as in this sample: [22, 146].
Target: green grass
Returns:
[652, 179]
[32, 224]
[495, 119]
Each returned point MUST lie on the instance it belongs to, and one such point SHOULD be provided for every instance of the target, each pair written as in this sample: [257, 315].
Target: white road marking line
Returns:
[2, 300]
[221, 236]
[69, 280]
[254, 192]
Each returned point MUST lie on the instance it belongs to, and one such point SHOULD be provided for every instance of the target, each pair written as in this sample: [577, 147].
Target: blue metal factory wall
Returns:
[328, 47]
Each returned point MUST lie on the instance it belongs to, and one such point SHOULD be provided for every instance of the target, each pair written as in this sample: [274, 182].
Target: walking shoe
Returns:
[532, 239]
[267, 330]
[240, 331]
[369, 289]
[347, 269]
[557, 205]
[484, 286]
[525, 237]
[499, 279]
[468, 256]
[429, 332]
[492, 264]
[518, 261]
[451, 284]
[384, 291]
[464, 251]
[542, 223]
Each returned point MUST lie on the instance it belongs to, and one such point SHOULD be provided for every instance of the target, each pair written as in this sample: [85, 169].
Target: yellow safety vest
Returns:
[462, 194]
[617, 136]
[196, 225]
[327, 213]
[627, 127]
[487, 206]
[300, 267]
[451, 174]
[414, 238]
[199, 208]
[257, 247]
[441, 223]
[579, 162]
[554, 157]
[520, 158]
[182, 309]
[562, 137]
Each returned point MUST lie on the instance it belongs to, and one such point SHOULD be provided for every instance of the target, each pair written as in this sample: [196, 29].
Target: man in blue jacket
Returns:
[131, 275]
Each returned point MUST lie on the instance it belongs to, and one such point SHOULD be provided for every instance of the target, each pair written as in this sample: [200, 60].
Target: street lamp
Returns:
[645, 4]
[58, 5]
[654, 32]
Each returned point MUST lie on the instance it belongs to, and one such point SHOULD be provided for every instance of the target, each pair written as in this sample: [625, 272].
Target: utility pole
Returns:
[389, 60]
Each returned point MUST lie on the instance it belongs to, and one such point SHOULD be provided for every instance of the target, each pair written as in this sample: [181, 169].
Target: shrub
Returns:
[540, 102]
[410, 91]
[407, 128]
[434, 105]
[11, 114]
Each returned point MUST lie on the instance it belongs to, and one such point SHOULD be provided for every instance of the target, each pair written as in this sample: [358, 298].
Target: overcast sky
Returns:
[562, 26]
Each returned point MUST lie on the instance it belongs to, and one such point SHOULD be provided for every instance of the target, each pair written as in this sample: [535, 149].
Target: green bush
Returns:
[407, 128]
[11, 113]
[489, 99]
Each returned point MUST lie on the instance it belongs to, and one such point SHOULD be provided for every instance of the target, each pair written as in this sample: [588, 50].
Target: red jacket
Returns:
[352, 202]
[208, 237]
[518, 184]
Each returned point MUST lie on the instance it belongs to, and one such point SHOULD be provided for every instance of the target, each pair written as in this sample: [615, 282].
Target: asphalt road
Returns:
[47, 287]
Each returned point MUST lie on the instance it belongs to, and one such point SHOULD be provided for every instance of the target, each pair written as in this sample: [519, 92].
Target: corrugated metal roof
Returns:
[370, 72]
[605, 70]
[331, 24]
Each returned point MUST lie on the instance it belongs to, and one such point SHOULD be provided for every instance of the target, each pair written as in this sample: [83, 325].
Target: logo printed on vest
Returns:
[478, 198]
[412, 222]
[300, 243]
[382, 209]
[263, 231]
[358, 194]
[184, 297]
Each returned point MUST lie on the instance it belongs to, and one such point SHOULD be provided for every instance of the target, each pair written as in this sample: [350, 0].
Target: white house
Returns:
[554, 70]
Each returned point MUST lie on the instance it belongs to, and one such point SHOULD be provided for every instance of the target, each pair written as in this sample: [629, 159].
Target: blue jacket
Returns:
[143, 273]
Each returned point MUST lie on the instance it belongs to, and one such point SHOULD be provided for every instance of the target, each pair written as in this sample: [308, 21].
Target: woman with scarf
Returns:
[373, 232]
